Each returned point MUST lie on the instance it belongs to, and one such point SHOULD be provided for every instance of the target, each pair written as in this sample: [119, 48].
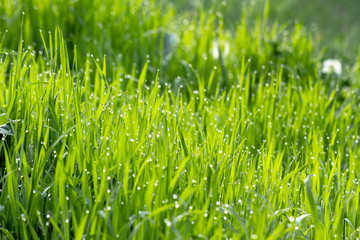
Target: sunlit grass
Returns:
[170, 141]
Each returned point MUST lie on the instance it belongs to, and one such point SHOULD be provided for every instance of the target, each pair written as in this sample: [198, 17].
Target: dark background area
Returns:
[334, 24]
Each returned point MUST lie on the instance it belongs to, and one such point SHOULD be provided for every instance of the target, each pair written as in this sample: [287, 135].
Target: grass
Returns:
[153, 122]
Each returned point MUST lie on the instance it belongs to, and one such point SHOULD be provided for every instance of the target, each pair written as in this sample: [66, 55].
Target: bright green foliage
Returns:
[248, 143]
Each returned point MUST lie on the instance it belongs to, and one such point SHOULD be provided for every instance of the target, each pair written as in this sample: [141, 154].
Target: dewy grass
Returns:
[253, 145]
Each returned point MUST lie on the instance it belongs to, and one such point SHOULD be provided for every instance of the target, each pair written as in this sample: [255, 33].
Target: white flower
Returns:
[332, 65]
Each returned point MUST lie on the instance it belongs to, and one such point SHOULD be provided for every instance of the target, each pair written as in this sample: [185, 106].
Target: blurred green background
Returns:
[334, 24]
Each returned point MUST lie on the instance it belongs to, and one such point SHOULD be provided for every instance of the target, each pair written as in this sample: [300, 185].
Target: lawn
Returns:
[144, 119]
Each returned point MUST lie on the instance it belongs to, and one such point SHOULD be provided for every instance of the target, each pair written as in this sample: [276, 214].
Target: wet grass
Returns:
[153, 124]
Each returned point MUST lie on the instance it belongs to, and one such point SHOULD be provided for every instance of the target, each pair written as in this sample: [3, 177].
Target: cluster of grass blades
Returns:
[253, 145]
[179, 43]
